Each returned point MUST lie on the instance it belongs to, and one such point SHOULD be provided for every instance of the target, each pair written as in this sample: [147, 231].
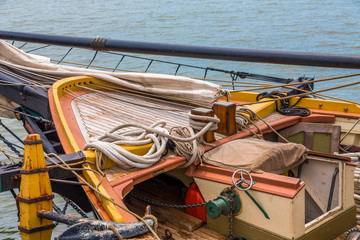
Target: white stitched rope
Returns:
[156, 134]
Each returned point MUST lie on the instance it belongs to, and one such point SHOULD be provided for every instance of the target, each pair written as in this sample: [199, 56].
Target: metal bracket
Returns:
[35, 200]
[36, 229]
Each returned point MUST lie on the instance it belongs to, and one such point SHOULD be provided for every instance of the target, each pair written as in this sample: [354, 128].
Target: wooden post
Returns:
[209, 136]
[35, 192]
[225, 111]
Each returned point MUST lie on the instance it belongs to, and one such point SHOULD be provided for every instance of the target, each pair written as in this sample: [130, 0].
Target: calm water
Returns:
[305, 25]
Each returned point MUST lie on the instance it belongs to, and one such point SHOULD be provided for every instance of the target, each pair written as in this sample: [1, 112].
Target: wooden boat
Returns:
[298, 208]
[296, 194]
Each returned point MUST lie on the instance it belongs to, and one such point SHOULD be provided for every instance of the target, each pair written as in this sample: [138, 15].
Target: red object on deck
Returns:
[193, 196]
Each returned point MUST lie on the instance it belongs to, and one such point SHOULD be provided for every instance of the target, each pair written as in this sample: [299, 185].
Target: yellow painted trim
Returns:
[91, 177]
[261, 109]
[58, 92]
[330, 105]
[109, 207]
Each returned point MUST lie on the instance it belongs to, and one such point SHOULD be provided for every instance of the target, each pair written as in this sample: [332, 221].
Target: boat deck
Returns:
[98, 112]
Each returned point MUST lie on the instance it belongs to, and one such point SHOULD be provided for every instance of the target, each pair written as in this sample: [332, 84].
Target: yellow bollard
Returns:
[35, 192]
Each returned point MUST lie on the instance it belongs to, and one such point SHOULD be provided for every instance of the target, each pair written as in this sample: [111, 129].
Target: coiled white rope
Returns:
[108, 143]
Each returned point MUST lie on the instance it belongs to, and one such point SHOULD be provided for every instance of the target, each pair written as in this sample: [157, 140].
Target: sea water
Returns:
[331, 26]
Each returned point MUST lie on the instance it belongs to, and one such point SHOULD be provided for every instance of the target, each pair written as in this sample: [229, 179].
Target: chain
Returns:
[161, 204]
[231, 235]
[10, 145]
[230, 201]
[74, 206]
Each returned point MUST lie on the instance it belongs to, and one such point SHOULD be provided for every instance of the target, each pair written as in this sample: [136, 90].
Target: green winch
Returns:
[227, 203]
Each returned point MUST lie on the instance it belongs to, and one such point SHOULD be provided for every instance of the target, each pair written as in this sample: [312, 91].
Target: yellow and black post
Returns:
[35, 192]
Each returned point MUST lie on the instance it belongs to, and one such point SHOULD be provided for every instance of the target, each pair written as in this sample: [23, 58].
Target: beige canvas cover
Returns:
[257, 155]
[166, 85]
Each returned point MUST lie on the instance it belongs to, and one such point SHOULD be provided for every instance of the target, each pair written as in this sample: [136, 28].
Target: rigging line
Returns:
[124, 70]
[13, 134]
[178, 64]
[342, 139]
[111, 96]
[123, 116]
[93, 66]
[304, 94]
[146, 117]
[96, 52]
[6, 83]
[323, 96]
[117, 65]
[164, 97]
[149, 65]
[320, 96]
[95, 189]
[126, 116]
[35, 49]
[25, 114]
[251, 75]
[92, 110]
[292, 84]
[65, 55]
[104, 107]
[15, 75]
[149, 96]
[230, 81]
[177, 69]
[32, 73]
[156, 60]
[22, 45]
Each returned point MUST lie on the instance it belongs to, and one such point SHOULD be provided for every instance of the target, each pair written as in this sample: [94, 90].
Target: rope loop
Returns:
[132, 134]
[152, 217]
[115, 231]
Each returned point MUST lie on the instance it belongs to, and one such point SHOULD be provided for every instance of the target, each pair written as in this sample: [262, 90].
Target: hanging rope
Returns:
[255, 116]
[65, 166]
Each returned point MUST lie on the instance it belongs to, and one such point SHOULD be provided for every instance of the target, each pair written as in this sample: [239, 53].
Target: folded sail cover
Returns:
[257, 155]
[161, 84]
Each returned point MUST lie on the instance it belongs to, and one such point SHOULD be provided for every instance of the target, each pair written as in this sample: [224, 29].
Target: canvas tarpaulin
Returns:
[257, 155]
[160, 84]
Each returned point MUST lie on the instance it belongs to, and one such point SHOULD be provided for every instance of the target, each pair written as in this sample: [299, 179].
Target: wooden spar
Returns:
[229, 54]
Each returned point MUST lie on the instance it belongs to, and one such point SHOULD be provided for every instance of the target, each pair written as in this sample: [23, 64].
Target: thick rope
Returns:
[65, 166]
[294, 84]
[138, 135]
[108, 144]
[115, 231]
[152, 217]
[191, 151]
[256, 116]
[347, 133]
[304, 94]
[9, 156]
